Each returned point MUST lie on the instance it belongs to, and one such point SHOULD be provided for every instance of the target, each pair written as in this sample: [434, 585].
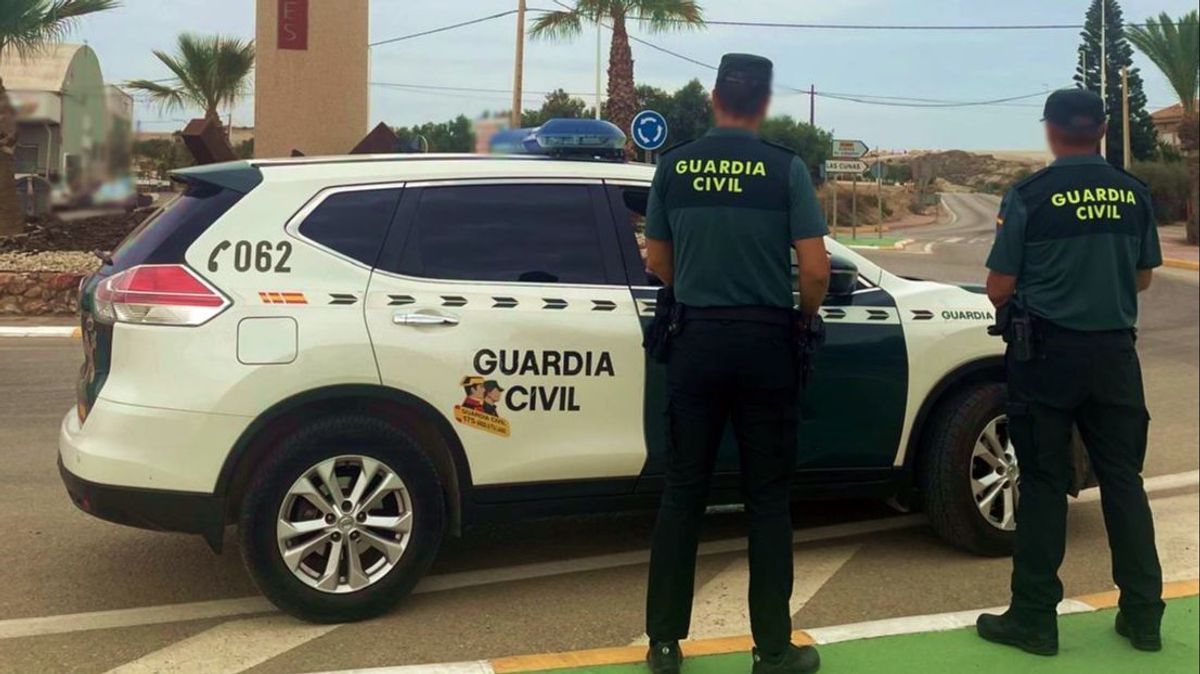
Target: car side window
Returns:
[353, 223]
[505, 233]
[629, 205]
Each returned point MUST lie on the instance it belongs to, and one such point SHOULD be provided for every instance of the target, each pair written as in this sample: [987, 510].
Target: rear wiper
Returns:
[104, 255]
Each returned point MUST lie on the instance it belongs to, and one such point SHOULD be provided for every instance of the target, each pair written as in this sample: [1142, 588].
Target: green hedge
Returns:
[1169, 187]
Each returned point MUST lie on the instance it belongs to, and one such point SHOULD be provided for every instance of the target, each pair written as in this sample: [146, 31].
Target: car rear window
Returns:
[353, 223]
[167, 234]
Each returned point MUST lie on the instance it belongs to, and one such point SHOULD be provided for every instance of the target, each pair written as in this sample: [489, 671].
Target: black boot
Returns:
[1141, 638]
[664, 657]
[795, 660]
[1008, 630]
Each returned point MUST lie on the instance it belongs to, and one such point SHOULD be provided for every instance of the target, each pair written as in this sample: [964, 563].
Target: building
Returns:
[1167, 121]
[72, 129]
[310, 76]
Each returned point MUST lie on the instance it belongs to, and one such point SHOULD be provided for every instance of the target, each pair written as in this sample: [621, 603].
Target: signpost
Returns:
[846, 154]
[848, 149]
[649, 131]
[854, 166]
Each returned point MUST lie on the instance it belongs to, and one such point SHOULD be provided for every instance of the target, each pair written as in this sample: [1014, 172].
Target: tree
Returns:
[688, 111]
[558, 104]
[1174, 46]
[26, 28]
[1143, 138]
[653, 15]
[160, 156]
[209, 71]
[455, 135]
[811, 143]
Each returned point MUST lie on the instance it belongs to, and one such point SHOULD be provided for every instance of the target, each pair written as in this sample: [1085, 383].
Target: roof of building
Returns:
[45, 70]
[1169, 114]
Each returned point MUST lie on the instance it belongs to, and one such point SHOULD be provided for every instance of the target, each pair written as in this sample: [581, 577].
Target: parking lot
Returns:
[87, 596]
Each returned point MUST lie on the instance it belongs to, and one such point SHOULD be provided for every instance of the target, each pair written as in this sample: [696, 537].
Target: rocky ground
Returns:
[52, 234]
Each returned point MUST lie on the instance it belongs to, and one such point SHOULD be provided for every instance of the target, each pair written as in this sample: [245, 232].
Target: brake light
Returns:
[159, 294]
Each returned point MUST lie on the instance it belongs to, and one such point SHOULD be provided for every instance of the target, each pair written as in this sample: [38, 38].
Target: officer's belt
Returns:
[1047, 329]
[747, 314]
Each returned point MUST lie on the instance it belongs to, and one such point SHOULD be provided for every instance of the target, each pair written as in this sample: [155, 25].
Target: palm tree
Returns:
[1174, 46]
[654, 15]
[27, 27]
[209, 71]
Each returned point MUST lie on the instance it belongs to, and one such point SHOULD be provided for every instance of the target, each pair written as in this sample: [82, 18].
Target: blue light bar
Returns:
[578, 138]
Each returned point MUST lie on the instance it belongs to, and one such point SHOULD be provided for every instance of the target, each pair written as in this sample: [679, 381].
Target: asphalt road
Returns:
[83, 595]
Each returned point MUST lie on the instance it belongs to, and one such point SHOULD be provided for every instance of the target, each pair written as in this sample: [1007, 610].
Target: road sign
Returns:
[848, 149]
[845, 166]
[649, 130]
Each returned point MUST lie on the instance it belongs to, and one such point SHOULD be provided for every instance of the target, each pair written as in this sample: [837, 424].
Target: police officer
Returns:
[724, 214]
[1076, 243]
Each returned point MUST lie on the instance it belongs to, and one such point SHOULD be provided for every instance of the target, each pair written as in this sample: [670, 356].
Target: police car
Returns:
[350, 357]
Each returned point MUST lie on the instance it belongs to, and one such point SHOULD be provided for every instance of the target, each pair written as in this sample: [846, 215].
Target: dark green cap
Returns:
[746, 70]
[1076, 110]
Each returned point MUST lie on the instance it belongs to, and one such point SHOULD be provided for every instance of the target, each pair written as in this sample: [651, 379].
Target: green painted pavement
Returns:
[1088, 645]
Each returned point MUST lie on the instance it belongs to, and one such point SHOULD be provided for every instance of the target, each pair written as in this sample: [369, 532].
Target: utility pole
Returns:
[812, 105]
[1104, 70]
[598, 42]
[1126, 152]
[518, 67]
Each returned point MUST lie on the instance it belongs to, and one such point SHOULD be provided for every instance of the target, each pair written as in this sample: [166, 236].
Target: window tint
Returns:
[353, 223]
[532, 233]
[165, 236]
[632, 202]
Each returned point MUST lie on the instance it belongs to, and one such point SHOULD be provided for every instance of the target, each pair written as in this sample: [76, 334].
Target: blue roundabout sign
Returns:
[649, 130]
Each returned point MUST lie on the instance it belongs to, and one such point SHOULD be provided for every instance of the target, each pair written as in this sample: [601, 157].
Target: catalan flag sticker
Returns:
[275, 297]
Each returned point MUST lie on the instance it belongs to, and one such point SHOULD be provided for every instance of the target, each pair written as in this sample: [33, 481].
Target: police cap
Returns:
[1075, 110]
[745, 70]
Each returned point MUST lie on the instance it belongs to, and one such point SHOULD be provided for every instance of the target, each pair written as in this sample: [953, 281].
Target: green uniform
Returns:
[1075, 235]
[732, 205]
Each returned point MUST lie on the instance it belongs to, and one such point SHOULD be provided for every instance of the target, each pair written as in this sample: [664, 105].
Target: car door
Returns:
[504, 305]
[853, 409]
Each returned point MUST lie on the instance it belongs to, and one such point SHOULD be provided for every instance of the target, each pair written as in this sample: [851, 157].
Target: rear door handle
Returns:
[423, 319]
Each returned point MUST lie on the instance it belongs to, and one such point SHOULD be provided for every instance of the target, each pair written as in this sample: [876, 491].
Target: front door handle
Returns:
[423, 319]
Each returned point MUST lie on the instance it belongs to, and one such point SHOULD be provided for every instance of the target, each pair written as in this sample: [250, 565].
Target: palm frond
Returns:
[27, 26]
[167, 97]
[1173, 46]
[659, 16]
[208, 72]
[560, 25]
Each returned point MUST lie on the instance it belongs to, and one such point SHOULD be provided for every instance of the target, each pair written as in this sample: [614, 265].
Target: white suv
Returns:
[349, 357]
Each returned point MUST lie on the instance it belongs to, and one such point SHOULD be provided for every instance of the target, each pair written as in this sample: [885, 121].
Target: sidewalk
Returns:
[1087, 641]
[1176, 252]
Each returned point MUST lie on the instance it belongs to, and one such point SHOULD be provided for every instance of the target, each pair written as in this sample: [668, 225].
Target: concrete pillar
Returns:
[310, 82]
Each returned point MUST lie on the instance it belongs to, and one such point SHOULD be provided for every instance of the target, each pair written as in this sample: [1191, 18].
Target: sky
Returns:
[955, 65]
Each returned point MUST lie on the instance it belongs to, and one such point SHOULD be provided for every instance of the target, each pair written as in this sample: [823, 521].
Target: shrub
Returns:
[1169, 187]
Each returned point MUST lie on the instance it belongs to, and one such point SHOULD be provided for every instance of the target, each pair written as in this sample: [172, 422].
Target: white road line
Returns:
[37, 331]
[228, 648]
[720, 608]
[224, 608]
[953, 239]
[481, 667]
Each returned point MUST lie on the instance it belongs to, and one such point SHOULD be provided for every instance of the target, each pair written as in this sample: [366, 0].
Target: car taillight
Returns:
[159, 294]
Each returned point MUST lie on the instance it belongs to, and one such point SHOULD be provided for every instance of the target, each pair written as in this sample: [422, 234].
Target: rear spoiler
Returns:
[238, 176]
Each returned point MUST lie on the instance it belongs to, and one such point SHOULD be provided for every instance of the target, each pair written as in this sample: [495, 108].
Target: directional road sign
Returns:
[649, 130]
[845, 166]
[849, 149]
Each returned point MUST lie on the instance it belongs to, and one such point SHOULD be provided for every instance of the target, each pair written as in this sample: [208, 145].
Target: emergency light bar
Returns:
[581, 138]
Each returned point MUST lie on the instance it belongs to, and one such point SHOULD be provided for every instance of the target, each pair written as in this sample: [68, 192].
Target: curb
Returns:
[625, 655]
[899, 245]
[1181, 264]
[39, 331]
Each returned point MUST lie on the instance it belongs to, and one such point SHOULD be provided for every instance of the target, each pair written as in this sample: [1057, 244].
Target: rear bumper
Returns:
[181, 511]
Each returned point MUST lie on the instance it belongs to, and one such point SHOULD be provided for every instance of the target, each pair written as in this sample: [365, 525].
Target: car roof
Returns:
[419, 167]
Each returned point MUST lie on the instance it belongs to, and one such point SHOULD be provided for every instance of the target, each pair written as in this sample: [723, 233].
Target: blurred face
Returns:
[1062, 143]
[737, 114]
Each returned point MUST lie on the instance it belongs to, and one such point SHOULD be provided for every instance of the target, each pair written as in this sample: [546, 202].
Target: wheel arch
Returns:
[403, 410]
[989, 369]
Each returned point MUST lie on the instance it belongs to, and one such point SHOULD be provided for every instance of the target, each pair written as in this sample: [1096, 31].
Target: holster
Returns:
[1017, 328]
[810, 336]
[667, 322]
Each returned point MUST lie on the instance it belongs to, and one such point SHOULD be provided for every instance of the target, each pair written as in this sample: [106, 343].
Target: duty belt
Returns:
[748, 314]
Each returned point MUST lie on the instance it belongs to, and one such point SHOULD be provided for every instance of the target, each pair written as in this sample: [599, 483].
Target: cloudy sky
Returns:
[950, 65]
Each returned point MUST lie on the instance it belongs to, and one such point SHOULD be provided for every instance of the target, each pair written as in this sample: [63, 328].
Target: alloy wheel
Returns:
[995, 475]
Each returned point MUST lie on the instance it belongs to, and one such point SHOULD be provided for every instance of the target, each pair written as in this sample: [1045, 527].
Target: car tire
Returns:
[949, 466]
[342, 439]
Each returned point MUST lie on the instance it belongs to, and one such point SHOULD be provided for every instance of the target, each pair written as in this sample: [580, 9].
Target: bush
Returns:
[1169, 187]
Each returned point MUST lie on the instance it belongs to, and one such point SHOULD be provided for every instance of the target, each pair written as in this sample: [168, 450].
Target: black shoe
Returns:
[1004, 629]
[664, 657]
[795, 660]
[1141, 639]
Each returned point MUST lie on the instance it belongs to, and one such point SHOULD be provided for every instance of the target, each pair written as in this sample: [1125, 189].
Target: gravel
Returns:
[74, 262]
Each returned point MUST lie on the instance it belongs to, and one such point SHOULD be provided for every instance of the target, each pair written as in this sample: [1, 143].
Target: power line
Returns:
[443, 29]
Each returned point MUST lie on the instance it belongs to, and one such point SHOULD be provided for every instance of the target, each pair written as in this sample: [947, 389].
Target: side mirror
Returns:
[843, 276]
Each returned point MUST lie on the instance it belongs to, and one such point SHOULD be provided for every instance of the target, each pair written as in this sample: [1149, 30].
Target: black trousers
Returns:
[1092, 380]
[744, 372]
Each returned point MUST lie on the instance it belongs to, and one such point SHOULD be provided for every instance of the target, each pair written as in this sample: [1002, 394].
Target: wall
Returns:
[314, 99]
[38, 293]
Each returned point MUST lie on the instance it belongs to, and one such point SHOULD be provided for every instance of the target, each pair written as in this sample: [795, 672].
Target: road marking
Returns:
[228, 648]
[720, 608]
[481, 667]
[38, 331]
[952, 239]
[224, 608]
